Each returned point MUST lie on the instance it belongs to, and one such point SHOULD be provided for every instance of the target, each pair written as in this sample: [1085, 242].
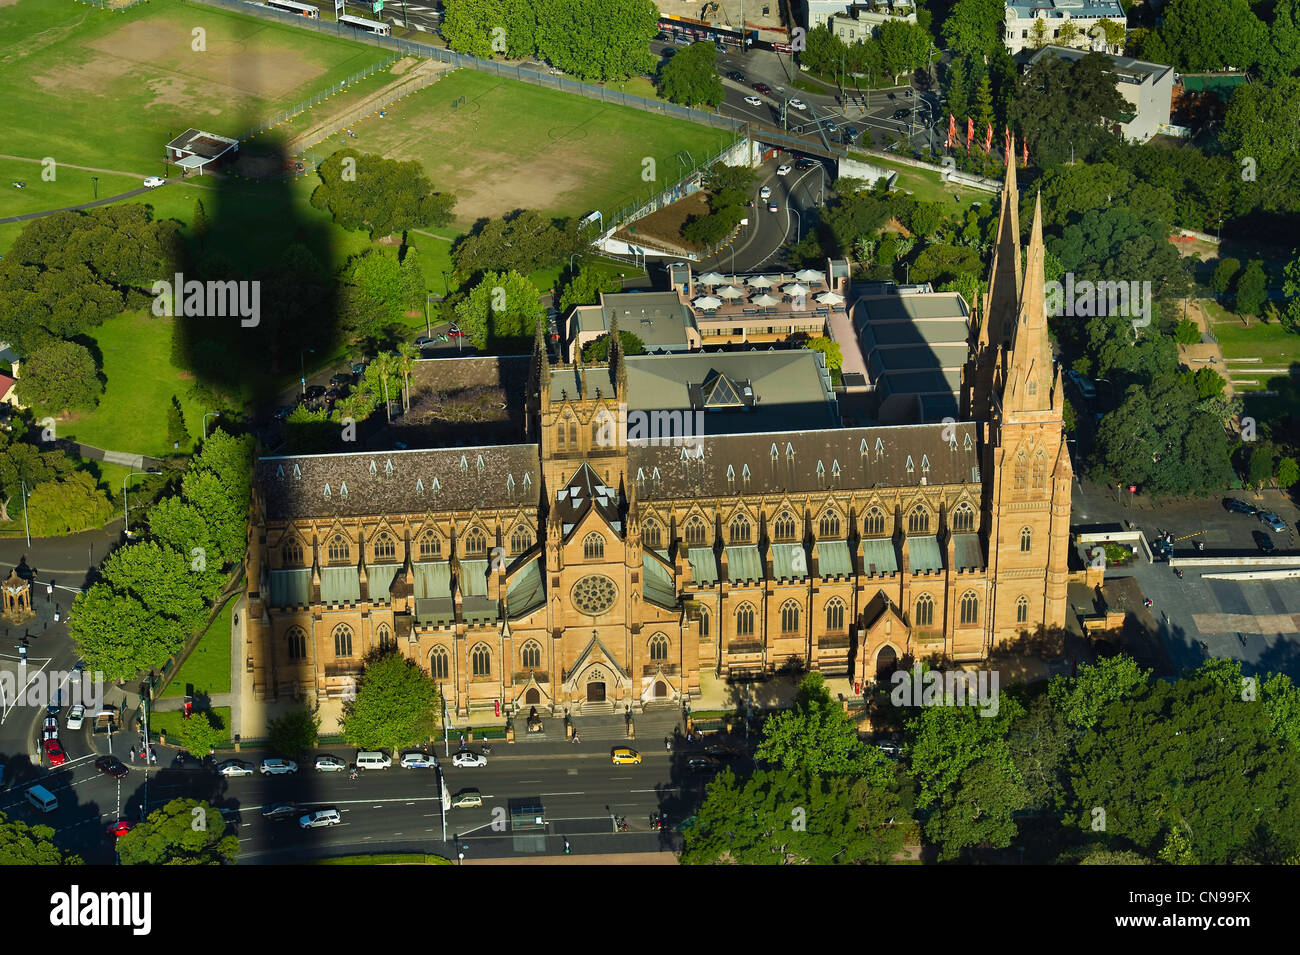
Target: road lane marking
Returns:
[564, 794]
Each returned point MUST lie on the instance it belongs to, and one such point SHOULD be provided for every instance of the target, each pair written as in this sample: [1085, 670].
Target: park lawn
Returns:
[70, 187]
[171, 721]
[549, 278]
[207, 669]
[141, 379]
[402, 858]
[930, 187]
[508, 145]
[1272, 343]
[111, 87]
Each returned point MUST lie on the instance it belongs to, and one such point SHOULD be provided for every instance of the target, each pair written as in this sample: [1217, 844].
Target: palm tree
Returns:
[405, 367]
[384, 361]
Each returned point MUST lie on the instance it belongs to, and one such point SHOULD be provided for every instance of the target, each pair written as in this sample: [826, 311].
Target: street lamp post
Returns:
[446, 288]
[302, 368]
[95, 185]
[210, 414]
[126, 514]
[798, 224]
[26, 524]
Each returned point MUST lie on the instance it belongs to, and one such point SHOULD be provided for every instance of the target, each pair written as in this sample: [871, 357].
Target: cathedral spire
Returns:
[1030, 375]
[616, 376]
[1004, 271]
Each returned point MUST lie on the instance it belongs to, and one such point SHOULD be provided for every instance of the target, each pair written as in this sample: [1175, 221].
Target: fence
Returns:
[117, 6]
[368, 110]
[323, 95]
[684, 187]
[505, 70]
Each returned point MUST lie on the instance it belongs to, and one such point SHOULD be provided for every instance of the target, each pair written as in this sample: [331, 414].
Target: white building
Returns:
[859, 21]
[1083, 15]
[1147, 87]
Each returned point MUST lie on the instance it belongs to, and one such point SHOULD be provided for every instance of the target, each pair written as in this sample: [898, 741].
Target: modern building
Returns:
[1148, 88]
[595, 567]
[1031, 23]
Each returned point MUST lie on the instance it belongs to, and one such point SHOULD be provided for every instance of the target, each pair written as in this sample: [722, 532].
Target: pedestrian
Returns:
[153, 756]
[133, 754]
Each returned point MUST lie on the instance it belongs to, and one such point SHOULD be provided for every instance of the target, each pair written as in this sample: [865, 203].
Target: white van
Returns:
[373, 761]
[42, 799]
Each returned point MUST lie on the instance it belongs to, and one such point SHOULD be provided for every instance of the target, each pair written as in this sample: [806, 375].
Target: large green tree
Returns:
[1262, 123]
[379, 195]
[597, 40]
[483, 28]
[974, 28]
[524, 243]
[1059, 105]
[1204, 35]
[691, 77]
[296, 732]
[1079, 699]
[69, 506]
[21, 844]
[59, 377]
[816, 737]
[502, 305]
[396, 705]
[183, 832]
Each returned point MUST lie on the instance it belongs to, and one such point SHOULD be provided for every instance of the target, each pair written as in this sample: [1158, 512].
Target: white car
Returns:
[773, 207]
[75, 717]
[321, 817]
[783, 169]
[153, 182]
[466, 758]
[51, 729]
[329, 764]
[274, 766]
[753, 101]
[467, 799]
[765, 192]
[235, 767]
[419, 761]
[798, 104]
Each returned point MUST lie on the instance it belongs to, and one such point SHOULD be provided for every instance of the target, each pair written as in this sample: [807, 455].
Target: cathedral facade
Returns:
[593, 569]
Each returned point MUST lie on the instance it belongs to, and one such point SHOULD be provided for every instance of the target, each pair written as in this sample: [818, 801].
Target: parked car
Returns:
[112, 766]
[333, 395]
[1274, 522]
[1263, 542]
[275, 766]
[235, 767]
[761, 88]
[783, 169]
[1237, 506]
[466, 758]
[852, 134]
[120, 828]
[765, 192]
[54, 751]
[279, 810]
[329, 764]
[76, 716]
[467, 799]
[51, 728]
[721, 752]
[831, 127]
[281, 413]
[321, 817]
[753, 101]
[359, 368]
[424, 341]
[892, 750]
[623, 756]
[153, 182]
[455, 332]
[798, 104]
[419, 761]
[341, 380]
[314, 393]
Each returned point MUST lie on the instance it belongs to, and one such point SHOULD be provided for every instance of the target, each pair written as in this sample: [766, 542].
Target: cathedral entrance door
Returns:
[595, 692]
[886, 662]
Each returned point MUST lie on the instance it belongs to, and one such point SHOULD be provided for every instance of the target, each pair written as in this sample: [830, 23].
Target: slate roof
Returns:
[583, 491]
[399, 481]
[865, 457]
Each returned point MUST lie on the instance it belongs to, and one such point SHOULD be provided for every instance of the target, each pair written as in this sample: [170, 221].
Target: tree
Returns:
[955, 89]
[1252, 289]
[945, 263]
[1111, 32]
[177, 433]
[1038, 34]
[691, 77]
[1080, 699]
[1288, 473]
[585, 287]
[119, 635]
[1039, 744]
[1225, 271]
[1209, 383]
[1202, 35]
[21, 844]
[974, 27]
[502, 305]
[199, 225]
[903, 46]
[816, 737]
[782, 818]
[198, 736]
[382, 196]
[1281, 56]
[59, 377]
[183, 832]
[598, 41]
[830, 350]
[597, 350]
[524, 243]
[1263, 123]
[483, 28]
[1187, 332]
[69, 506]
[1058, 106]
[413, 288]
[384, 288]
[1068, 33]
[295, 732]
[404, 364]
[396, 705]
[1259, 466]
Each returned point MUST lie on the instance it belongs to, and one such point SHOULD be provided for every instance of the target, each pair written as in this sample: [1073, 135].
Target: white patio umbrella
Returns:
[831, 298]
[810, 275]
[730, 291]
[765, 300]
[711, 278]
[707, 302]
[795, 289]
[759, 281]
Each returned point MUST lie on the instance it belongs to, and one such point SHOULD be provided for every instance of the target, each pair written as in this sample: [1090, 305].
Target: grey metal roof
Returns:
[967, 552]
[879, 556]
[704, 565]
[380, 578]
[340, 585]
[657, 318]
[291, 588]
[657, 581]
[472, 580]
[1123, 65]
[743, 563]
[789, 562]
[432, 579]
[924, 555]
[834, 559]
[526, 590]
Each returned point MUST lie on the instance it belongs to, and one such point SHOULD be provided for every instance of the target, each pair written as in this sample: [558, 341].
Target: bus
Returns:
[290, 6]
[369, 26]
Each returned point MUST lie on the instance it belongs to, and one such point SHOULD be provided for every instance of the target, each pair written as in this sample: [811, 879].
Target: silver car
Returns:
[235, 767]
[322, 817]
[329, 764]
[275, 766]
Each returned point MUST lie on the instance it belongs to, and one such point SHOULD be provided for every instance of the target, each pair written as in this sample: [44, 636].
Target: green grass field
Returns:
[170, 722]
[208, 668]
[141, 379]
[109, 89]
[930, 187]
[69, 187]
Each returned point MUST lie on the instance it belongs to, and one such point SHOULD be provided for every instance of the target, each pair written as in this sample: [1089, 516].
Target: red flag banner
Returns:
[1026, 153]
[970, 131]
[988, 138]
[952, 129]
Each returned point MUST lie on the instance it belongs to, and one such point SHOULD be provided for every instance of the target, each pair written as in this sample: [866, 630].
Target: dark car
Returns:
[852, 134]
[1263, 542]
[736, 76]
[804, 163]
[761, 88]
[901, 113]
[314, 393]
[111, 766]
[359, 369]
[333, 395]
[720, 752]
[703, 764]
[1236, 506]
[282, 413]
[340, 380]
[1274, 522]
[279, 810]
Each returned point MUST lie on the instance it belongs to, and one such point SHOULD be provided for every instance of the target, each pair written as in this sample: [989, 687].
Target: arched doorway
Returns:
[532, 697]
[886, 662]
[661, 689]
[595, 692]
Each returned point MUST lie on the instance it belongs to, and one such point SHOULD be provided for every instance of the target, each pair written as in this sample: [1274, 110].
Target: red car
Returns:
[55, 752]
[762, 88]
[120, 828]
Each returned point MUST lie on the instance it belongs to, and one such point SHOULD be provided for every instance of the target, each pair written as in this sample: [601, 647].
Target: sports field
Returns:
[108, 89]
[510, 145]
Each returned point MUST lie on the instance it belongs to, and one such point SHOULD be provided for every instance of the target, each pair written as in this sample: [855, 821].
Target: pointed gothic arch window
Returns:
[573, 434]
[963, 518]
[297, 640]
[834, 615]
[783, 527]
[291, 554]
[1022, 471]
[695, 530]
[970, 607]
[385, 547]
[874, 523]
[1040, 471]
[475, 543]
[481, 660]
[704, 623]
[925, 611]
[430, 546]
[531, 655]
[440, 663]
[745, 620]
[593, 547]
[1026, 539]
[1022, 609]
[658, 648]
[520, 540]
[384, 636]
[918, 521]
[790, 617]
[652, 535]
[829, 527]
[339, 551]
[740, 529]
[342, 640]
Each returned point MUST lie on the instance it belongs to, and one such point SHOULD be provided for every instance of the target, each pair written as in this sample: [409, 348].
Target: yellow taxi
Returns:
[623, 755]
